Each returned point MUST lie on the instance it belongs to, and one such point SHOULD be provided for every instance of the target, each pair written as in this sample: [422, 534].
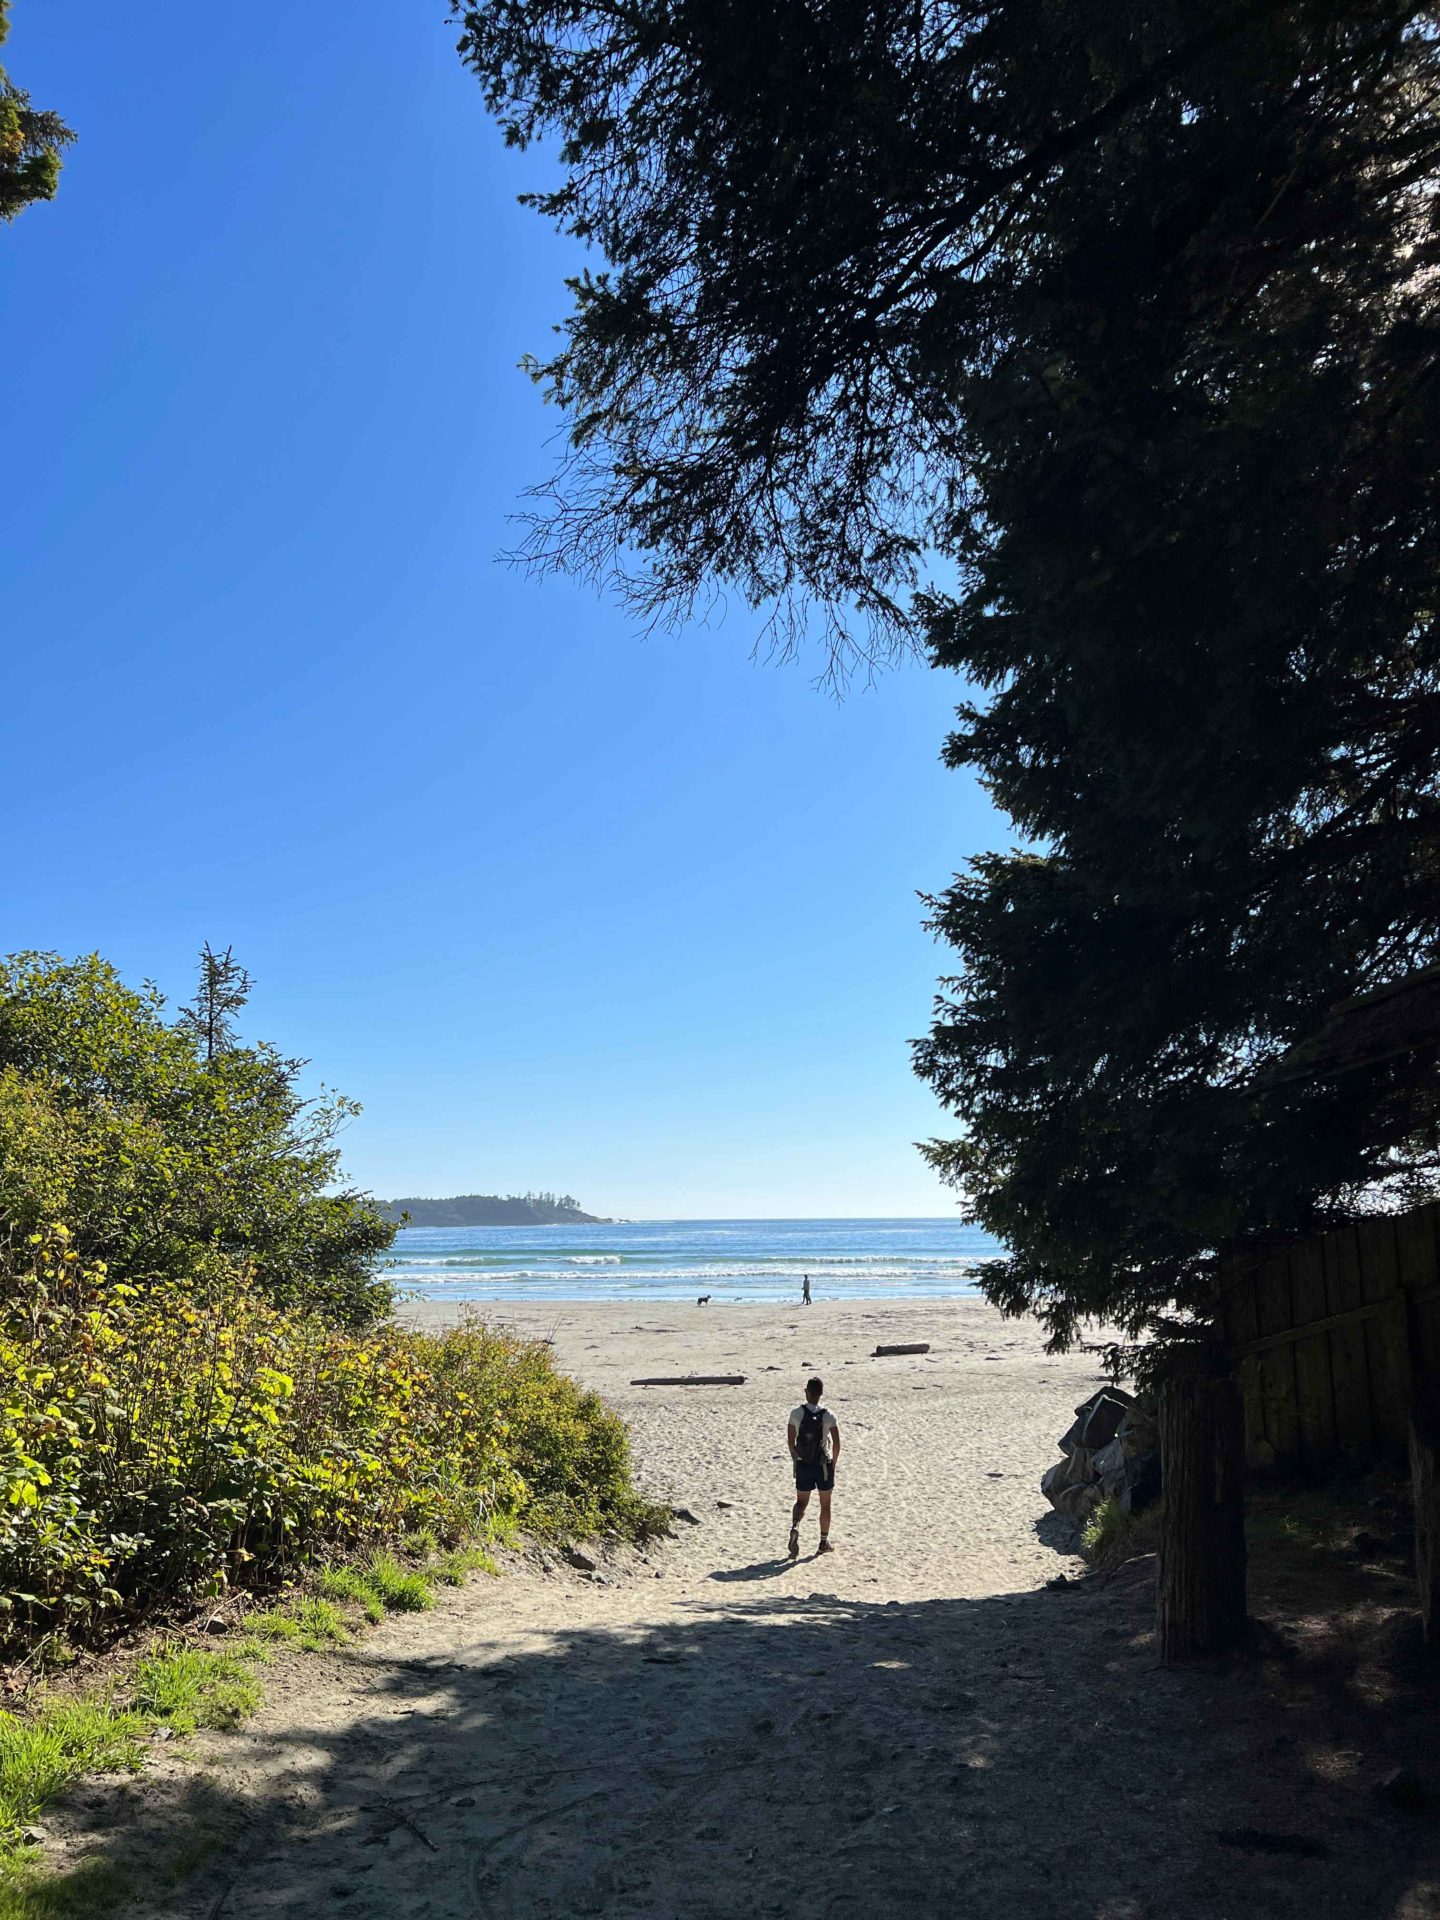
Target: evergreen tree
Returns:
[30, 143]
[224, 989]
[1125, 311]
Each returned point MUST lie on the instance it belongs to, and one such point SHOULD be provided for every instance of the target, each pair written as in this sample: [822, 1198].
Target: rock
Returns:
[215, 1624]
[725, 1504]
[684, 1513]
[1078, 1503]
[1054, 1481]
[1402, 1787]
[1126, 1400]
[1102, 1422]
[1110, 1458]
[1071, 1436]
[1072, 1471]
[580, 1559]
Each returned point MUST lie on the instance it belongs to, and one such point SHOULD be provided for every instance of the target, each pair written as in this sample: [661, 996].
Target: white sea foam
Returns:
[734, 1260]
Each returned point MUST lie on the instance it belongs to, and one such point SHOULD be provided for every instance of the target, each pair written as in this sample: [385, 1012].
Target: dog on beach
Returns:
[703, 1301]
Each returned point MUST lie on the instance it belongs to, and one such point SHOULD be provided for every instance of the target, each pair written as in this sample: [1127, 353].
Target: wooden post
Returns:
[1425, 1430]
[1201, 1588]
[1425, 1481]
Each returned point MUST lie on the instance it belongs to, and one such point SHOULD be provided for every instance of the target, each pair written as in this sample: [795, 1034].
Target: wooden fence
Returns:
[1329, 1336]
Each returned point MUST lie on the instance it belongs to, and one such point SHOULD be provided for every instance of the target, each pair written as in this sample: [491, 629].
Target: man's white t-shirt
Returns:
[828, 1425]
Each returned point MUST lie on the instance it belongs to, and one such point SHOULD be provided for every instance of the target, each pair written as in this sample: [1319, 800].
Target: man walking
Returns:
[805, 1299]
[814, 1437]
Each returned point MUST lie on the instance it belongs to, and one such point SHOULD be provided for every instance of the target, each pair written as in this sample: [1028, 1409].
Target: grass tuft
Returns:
[1111, 1534]
[311, 1623]
[31, 1892]
[347, 1583]
[189, 1688]
[451, 1569]
[41, 1754]
[384, 1585]
[400, 1589]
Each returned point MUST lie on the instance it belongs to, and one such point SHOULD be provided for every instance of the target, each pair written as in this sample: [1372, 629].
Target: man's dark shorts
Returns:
[814, 1476]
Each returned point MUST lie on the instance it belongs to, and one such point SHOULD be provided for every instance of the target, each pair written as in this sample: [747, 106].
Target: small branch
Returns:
[405, 1820]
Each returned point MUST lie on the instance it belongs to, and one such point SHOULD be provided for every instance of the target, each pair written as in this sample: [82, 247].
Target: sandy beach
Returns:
[940, 1457]
[706, 1731]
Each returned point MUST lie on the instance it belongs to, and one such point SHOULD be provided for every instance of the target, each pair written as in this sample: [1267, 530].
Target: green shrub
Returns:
[160, 1443]
[162, 1143]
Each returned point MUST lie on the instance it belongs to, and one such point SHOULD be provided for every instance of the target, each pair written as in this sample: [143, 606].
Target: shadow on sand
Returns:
[762, 1569]
[1011, 1758]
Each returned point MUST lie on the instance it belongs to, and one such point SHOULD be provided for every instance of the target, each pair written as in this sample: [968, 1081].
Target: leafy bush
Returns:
[160, 1442]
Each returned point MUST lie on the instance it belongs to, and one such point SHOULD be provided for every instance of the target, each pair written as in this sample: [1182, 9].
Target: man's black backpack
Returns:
[810, 1440]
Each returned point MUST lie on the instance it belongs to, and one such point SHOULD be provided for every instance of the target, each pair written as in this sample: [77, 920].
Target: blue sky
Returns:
[562, 905]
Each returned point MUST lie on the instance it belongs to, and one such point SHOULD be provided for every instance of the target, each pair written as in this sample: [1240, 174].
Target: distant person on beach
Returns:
[805, 1299]
[814, 1437]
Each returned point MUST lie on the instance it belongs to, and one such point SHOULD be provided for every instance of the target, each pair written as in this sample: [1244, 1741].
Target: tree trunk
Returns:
[1201, 1592]
[1425, 1479]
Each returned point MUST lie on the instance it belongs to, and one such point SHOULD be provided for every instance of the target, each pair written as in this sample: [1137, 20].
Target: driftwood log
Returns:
[1201, 1587]
[692, 1380]
[922, 1346]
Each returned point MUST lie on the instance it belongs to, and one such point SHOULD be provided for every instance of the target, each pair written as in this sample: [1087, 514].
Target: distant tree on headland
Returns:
[492, 1210]
[1129, 314]
[30, 143]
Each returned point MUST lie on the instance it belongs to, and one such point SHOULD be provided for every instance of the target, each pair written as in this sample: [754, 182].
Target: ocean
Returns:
[679, 1259]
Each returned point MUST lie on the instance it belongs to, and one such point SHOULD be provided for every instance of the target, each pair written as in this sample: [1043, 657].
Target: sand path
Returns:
[708, 1731]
